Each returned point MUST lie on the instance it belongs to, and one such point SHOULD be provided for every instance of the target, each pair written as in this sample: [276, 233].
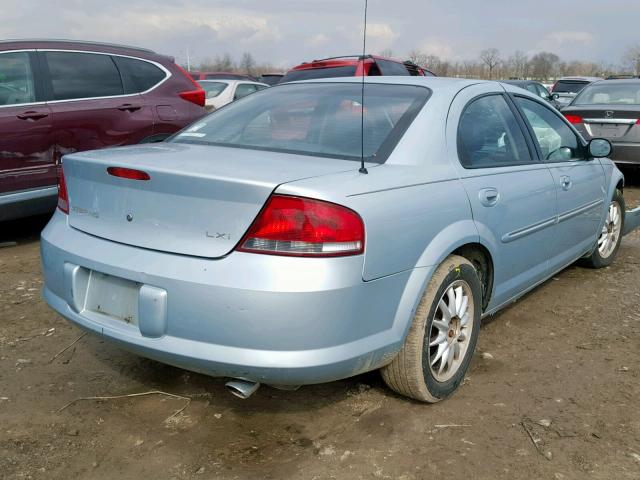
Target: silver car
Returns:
[254, 245]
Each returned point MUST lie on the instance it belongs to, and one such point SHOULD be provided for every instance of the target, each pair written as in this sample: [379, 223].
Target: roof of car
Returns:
[581, 79]
[518, 82]
[346, 60]
[619, 81]
[434, 83]
[39, 42]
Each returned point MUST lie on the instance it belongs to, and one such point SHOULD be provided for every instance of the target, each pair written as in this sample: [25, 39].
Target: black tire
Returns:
[596, 259]
[410, 373]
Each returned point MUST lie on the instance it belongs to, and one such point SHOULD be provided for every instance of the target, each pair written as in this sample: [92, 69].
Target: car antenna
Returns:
[363, 169]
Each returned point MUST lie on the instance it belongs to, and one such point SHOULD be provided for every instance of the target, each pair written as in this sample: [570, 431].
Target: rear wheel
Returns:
[611, 235]
[440, 344]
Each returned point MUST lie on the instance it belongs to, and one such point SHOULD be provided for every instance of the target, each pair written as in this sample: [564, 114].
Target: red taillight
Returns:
[197, 95]
[63, 197]
[129, 173]
[304, 227]
[638, 122]
[574, 119]
[194, 96]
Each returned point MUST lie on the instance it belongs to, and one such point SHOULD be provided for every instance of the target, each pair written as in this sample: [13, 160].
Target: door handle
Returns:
[129, 107]
[32, 115]
[566, 182]
[489, 196]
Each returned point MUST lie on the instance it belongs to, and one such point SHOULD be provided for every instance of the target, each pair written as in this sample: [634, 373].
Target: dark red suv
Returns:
[58, 97]
[354, 65]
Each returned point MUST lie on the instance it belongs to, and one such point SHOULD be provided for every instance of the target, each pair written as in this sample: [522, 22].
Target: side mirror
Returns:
[600, 148]
[555, 96]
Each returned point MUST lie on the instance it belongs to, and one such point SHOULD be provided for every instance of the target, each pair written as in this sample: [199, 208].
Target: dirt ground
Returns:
[553, 393]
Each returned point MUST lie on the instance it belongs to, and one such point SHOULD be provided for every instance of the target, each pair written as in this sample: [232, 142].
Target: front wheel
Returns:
[438, 349]
[611, 234]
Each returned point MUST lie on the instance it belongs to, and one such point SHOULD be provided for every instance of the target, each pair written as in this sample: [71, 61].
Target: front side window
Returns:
[83, 75]
[489, 135]
[16, 79]
[317, 119]
[542, 92]
[556, 140]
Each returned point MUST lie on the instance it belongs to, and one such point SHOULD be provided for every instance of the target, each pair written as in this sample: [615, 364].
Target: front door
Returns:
[26, 143]
[512, 193]
[579, 181]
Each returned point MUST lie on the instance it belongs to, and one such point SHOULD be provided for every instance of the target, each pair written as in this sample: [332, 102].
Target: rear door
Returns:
[579, 181]
[89, 104]
[26, 143]
[512, 193]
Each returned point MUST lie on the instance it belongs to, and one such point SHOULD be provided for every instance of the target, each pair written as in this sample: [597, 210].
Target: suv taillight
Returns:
[63, 197]
[304, 227]
[197, 95]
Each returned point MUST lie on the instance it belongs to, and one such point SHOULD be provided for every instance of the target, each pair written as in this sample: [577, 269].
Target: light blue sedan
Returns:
[252, 245]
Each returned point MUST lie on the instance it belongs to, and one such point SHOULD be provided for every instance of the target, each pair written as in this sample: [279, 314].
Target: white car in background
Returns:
[221, 92]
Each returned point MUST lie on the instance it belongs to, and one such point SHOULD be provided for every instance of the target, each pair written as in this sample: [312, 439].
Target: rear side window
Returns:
[138, 75]
[16, 79]
[213, 89]
[569, 86]
[392, 68]
[244, 89]
[556, 140]
[332, 72]
[489, 135]
[317, 119]
[83, 75]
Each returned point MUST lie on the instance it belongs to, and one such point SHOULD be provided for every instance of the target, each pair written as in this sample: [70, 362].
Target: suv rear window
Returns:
[83, 75]
[317, 119]
[311, 73]
[387, 67]
[569, 86]
[138, 75]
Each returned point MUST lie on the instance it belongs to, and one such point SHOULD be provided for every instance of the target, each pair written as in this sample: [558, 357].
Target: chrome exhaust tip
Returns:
[242, 388]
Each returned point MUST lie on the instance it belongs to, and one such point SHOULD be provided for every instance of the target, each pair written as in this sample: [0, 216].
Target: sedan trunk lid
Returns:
[198, 200]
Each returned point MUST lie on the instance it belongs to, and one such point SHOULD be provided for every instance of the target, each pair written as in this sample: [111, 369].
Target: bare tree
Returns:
[387, 52]
[519, 65]
[247, 64]
[491, 58]
[544, 65]
[631, 59]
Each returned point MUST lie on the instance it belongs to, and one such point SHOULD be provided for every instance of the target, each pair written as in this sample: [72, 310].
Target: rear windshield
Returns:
[610, 94]
[318, 119]
[312, 73]
[213, 89]
[569, 86]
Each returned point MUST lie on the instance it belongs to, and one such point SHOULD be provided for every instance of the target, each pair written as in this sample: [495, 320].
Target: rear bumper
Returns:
[278, 320]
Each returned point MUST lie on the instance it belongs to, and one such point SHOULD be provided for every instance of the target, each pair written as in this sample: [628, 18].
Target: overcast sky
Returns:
[287, 32]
